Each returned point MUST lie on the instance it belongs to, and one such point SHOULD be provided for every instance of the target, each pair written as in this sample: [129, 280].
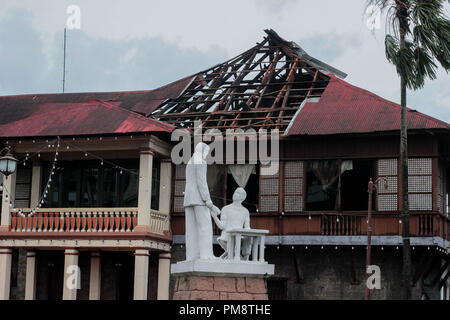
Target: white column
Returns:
[145, 187]
[95, 276]
[30, 278]
[5, 272]
[36, 179]
[9, 188]
[71, 274]
[163, 276]
[141, 274]
[165, 186]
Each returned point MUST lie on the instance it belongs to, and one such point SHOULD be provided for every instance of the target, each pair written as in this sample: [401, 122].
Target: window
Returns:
[322, 185]
[89, 184]
[354, 183]
[338, 185]
[251, 201]
[23, 186]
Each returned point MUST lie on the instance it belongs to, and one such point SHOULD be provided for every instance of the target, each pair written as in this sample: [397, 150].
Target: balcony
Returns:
[86, 220]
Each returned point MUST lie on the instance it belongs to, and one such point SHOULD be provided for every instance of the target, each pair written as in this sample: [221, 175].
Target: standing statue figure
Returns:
[198, 207]
[234, 215]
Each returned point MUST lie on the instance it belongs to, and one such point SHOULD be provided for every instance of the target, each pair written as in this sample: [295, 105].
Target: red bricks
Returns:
[240, 284]
[225, 284]
[204, 295]
[201, 283]
[255, 285]
[223, 288]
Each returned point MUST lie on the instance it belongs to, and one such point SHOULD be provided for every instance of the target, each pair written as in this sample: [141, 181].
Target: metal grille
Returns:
[391, 188]
[420, 166]
[441, 189]
[420, 201]
[180, 171]
[387, 198]
[270, 171]
[387, 202]
[293, 203]
[180, 183]
[178, 204]
[387, 167]
[293, 169]
[293, 186]
[269, 186]
[269, 204]
[420, 184]
[179, 187]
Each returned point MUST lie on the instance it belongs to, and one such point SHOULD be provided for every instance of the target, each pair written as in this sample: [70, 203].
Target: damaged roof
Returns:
[344, 108]
[273, 85]
[261, 88]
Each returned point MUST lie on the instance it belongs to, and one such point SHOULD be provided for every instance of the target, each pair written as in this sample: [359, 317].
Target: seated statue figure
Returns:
[234, 215]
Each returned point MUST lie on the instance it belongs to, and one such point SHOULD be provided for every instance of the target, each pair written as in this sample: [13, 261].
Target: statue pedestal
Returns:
[221, 280]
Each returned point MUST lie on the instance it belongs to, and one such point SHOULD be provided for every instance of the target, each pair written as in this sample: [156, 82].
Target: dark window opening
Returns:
[252, 189]
[222, 185]
[322, 185]
[338, 185]
[354, 184]
[90, 184]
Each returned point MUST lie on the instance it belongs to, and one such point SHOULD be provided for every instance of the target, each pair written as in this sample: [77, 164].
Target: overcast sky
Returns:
[137, 44]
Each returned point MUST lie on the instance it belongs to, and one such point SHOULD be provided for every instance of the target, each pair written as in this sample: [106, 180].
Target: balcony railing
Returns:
[65, 220]
[430, 224]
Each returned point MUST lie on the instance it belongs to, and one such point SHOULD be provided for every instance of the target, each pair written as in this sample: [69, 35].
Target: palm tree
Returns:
[417, 39]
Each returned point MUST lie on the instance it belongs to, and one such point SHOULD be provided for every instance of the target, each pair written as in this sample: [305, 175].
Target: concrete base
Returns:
[219, 288]
[223, 268]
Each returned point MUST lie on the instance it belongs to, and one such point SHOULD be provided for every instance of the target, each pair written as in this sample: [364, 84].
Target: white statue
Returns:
[198, 207]
[233, 216]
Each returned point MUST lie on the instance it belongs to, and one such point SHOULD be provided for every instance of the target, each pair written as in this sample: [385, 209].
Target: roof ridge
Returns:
[375, 96]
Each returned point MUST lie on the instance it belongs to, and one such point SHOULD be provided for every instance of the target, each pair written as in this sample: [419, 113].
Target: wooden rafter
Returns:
[260, 88]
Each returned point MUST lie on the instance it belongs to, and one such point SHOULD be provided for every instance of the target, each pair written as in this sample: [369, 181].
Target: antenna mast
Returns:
[64, 63]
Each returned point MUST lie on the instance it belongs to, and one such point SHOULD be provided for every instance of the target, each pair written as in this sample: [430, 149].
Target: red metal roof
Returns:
[85, 113]
[29, 119]
[344, 108]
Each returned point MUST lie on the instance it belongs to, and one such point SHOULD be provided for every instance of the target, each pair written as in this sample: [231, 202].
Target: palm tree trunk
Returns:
[406, 273]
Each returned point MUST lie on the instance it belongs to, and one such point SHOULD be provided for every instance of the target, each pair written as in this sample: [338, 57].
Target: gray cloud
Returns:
[30, 64]
[141, 44]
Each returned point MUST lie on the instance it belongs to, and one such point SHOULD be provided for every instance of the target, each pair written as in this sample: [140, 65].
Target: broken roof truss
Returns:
[261, 88]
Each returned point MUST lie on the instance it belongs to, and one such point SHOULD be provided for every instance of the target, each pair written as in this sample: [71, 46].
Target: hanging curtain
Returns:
[346, 165]
[326, 171]
[241, 173]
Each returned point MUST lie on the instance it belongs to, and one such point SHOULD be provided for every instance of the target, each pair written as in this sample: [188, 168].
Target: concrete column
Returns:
[30, 278]
[145, 187]
[72, 276]
[141, 274]
[5, 272]
[9, 191]
[165, 186]
[36, 180]
[163, 276]
[95, 276]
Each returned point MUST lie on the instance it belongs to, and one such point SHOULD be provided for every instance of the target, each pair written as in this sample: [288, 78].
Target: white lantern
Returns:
[8, 164]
